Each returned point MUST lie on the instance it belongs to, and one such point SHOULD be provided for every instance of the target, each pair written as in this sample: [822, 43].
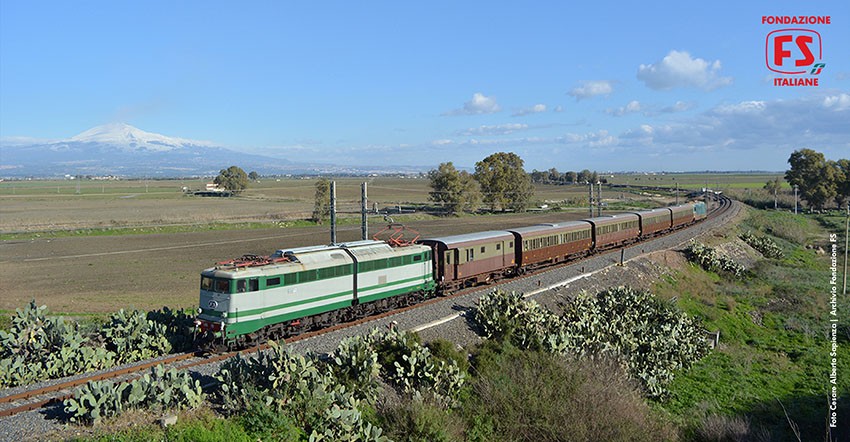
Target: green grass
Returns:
[205, 428]
[773, 324]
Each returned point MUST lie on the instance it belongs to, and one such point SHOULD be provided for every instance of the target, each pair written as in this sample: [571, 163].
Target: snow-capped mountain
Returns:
[121, 149]
[131, 138]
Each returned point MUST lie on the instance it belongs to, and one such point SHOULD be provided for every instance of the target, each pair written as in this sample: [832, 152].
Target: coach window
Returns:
[271, 282]
[499, 246]
[483, 249]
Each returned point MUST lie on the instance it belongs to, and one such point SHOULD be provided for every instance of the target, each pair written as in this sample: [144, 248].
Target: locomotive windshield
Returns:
[215, 285]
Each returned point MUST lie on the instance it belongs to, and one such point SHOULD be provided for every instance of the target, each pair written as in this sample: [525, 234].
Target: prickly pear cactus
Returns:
[160, 389]
[39, 347]
[413, 371]
[651, 338]
[132, 337]
[526, 324]
[712, 260]
[299, 387]
[354, 364]
[766, 246]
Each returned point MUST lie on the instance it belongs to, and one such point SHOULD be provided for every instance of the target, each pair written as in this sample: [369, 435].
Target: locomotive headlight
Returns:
[200, 310]
[223, 314]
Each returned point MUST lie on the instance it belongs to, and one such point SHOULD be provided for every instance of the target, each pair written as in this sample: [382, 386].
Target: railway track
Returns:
[39, 397]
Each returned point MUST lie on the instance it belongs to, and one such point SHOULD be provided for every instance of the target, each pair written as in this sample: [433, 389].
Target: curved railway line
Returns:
[38, 397]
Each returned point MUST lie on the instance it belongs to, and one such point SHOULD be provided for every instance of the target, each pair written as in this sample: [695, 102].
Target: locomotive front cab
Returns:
[214, 304]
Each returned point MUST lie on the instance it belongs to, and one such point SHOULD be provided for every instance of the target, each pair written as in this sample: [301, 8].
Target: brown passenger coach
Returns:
[465, 260]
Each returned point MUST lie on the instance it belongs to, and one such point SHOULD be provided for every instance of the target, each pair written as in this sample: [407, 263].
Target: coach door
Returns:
[450, 264]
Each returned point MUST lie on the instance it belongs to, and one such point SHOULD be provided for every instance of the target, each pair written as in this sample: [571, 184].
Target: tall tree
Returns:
[570, 177]
[842, 182]
[254, 176]
[456, 190]
[504, 182]
[322, 201]
[584, 176]
[813, 175]
[233, 179]
[538, 176]
[554, 175]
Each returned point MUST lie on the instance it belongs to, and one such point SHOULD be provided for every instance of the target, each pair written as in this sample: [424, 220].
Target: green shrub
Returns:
[416, 421]
[446, 350]
[537, 396]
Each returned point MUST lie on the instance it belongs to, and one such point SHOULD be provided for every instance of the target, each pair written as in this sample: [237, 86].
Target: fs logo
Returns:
[794, 51]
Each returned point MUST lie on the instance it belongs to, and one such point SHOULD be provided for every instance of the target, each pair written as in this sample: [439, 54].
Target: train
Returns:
[255, 298]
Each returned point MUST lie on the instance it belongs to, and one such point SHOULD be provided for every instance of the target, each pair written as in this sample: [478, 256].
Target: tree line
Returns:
[552, 176]
[499, 181]
[819, 181]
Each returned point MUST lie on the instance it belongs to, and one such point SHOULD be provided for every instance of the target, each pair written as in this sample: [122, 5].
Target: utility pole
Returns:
[590, 198]
[677, 193]
[333, 212]
[364, 222]
[599, 199]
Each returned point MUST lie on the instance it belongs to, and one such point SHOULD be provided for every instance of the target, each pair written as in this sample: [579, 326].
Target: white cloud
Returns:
[679, 69]
[589, 89]
[632, 107]
[600, 138]
[744, 107]
[777, 126]
[480, 104]
[500, 129]
[536, 109]
[839, 102]
[23, 141]
[679, 106]
[558, 108]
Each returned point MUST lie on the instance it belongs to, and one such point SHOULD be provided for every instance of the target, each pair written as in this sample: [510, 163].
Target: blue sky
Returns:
[602, 85]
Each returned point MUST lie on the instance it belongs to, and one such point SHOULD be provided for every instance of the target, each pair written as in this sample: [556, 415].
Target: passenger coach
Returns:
[466, 260]
[615, 229]
[546, 244]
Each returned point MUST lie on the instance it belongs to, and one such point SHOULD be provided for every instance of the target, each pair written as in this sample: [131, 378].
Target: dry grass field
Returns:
[94, 247]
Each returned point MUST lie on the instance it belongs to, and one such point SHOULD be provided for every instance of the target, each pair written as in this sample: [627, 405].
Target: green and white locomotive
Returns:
[251, 299]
